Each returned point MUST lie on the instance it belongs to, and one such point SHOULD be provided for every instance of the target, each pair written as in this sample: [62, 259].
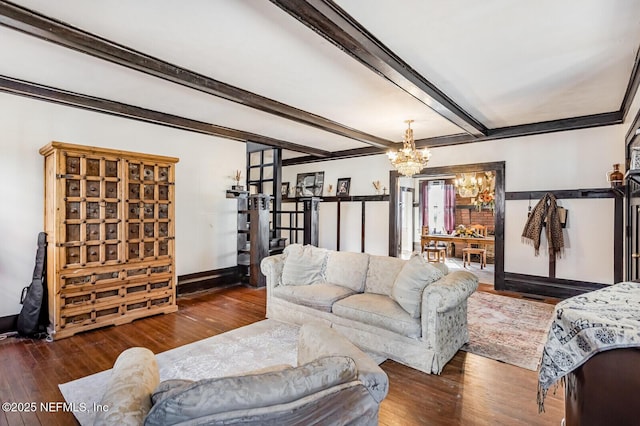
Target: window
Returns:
[435, 206]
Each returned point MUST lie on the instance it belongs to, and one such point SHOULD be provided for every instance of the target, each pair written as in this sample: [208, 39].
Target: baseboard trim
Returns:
[8, 323]
[545, 286]
[206, 280]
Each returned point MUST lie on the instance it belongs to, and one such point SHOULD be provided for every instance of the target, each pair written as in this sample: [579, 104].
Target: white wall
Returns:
[205, 219]
[363, 172]
[576, 159]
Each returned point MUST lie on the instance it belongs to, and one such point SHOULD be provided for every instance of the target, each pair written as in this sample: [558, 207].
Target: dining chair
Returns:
[476, 249]
[440, 245]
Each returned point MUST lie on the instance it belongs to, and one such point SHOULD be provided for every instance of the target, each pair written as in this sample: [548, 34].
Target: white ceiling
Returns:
[506, 63]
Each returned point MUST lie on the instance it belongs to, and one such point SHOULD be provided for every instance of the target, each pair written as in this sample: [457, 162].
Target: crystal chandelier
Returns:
[408, 160]
[468, 185]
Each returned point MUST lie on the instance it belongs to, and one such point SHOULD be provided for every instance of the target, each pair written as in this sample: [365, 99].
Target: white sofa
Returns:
[410, 311]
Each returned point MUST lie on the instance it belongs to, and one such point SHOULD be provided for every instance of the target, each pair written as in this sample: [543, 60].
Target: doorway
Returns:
[397, 219]
[408, 220]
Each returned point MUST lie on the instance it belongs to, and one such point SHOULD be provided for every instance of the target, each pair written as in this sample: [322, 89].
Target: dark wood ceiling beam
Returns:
[49, 29]
[334, 24]
[51, 94]
[574, 123]
[632, 87]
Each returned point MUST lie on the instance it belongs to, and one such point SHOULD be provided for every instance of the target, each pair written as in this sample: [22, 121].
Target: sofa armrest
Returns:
[317, 340]
[271, 267]
[449, 291]
[133, 378]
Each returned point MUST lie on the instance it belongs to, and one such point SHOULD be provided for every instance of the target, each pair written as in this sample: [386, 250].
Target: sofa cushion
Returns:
[347, 269]
[381, 274]
[303, 265]
[380, 311]
[407, 289]
[210, 396]
[133, 378]
[316, 340]
[320, 296]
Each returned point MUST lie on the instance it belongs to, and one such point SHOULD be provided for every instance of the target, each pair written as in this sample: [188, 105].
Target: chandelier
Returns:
[408, 160]
[468, 185]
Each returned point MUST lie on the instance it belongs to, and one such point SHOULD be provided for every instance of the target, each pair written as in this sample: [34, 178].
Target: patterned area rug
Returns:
[507, 329]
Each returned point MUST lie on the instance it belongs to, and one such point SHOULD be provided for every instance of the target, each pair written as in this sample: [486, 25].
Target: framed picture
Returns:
[284, 189]
[309, 184]
[343, 186]
[635, 159]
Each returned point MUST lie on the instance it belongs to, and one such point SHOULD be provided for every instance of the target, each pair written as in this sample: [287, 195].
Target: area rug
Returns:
[258, 345]
[507, 329]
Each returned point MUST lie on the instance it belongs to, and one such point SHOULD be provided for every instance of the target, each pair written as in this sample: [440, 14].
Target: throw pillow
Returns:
[207, 397]
[347, 269]
[416, 274]
[168, 388]
[303, 265]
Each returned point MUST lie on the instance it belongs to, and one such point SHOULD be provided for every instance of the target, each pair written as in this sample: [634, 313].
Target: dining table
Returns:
[466, 240]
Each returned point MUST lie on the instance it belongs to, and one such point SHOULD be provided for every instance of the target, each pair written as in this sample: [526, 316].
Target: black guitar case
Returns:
[33, 317]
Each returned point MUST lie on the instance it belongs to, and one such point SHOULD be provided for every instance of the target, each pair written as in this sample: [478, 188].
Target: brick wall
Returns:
[467, 216]
[471, 216]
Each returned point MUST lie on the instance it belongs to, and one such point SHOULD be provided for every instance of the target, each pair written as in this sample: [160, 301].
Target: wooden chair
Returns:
[435, 254]
[476, 248]
[431, 245]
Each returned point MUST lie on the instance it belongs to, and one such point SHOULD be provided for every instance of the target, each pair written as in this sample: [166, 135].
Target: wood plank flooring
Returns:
[470, 391]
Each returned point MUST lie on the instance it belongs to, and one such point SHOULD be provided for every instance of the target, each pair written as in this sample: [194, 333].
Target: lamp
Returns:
[468, 185]
[408, 160]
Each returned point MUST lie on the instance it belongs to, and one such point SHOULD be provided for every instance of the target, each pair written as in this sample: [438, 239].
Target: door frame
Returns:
[432, 172]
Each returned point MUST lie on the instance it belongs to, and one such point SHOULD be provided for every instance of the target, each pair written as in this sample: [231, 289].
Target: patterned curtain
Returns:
[449, 208]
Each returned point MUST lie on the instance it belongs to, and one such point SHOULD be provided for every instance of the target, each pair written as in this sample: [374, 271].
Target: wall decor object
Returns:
[329, 189]
[615, 177]
[377, 185]
[237, 175]
[284, 189]
[343, 186]
[635, 158]
[309, 184]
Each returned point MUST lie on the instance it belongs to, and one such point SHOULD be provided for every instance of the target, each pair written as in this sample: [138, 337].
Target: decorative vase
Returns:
[615, 177]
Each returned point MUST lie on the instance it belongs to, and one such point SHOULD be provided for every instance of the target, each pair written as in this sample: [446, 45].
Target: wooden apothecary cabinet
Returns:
[109, 219]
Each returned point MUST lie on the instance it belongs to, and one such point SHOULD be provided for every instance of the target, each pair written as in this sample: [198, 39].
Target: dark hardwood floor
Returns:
[470, 391]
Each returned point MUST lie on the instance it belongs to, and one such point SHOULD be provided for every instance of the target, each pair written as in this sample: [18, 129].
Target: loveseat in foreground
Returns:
[334, 383]
[410, 311]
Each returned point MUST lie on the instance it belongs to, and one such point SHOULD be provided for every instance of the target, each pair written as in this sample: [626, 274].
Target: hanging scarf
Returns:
[546, 209]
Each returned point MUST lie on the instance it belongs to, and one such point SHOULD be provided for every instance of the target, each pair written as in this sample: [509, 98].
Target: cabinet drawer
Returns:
[89, 279]
[153, 301]
[85, 279]
[89, 315]
[156, 285]
[90, 297]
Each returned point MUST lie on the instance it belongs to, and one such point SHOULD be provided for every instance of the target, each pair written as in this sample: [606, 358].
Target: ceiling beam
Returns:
[49, 29]
[632, 87]
[574, 123]
[51, 94]
[334, 24]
